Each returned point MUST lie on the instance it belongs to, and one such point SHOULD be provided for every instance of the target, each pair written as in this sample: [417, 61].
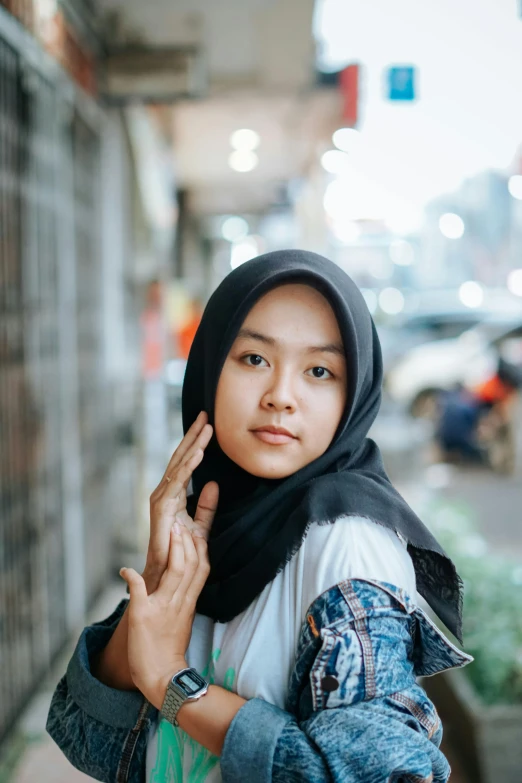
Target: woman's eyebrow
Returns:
[250, 334]
[330, 348]
[263, 338]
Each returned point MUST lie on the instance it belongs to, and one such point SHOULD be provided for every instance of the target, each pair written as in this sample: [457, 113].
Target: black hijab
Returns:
[261, 523]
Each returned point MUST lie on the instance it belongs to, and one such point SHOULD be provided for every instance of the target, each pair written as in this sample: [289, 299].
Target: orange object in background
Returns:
[152, 333]
[186, 336]
[187, 331]
[494, 391]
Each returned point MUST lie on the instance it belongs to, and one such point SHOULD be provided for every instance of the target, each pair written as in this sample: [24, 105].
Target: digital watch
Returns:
[185, 685]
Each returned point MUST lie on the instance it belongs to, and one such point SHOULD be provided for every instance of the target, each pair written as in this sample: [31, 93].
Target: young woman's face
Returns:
[282, 390]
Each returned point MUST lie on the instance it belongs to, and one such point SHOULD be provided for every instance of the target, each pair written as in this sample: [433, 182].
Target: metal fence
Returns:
[94, 411]
[53, 391]
[31, 537]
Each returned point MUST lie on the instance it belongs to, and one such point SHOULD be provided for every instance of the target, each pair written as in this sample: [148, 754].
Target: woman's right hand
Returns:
[168, 502]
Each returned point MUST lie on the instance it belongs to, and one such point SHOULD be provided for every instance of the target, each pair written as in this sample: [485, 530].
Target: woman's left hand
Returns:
[160, 624]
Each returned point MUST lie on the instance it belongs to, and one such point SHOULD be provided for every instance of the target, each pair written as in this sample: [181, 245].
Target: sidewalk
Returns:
[42, 761]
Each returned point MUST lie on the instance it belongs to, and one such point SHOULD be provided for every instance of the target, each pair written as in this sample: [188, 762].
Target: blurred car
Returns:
[417, 378]
[412, 329]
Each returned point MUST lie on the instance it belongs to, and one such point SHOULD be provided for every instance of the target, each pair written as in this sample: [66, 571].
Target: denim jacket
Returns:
[354, 713]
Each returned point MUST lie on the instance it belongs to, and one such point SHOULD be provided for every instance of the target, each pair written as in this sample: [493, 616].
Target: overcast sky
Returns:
[468, 116]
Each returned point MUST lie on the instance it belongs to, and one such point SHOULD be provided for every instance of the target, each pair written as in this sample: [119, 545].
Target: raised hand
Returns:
[160, 623]
[168, 502]
[168, 506]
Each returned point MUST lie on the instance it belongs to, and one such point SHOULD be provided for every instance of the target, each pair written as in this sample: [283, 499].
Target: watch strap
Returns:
[174, 699]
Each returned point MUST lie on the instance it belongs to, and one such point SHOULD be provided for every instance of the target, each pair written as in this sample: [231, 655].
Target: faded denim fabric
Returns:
[102, 731]
[354, 712]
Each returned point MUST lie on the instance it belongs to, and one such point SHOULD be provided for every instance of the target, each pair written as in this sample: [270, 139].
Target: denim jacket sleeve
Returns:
[355, 712]
[102, 731]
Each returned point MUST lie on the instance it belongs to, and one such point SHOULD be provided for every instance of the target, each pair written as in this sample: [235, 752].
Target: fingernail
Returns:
[176, 528]
[199, 534]
[122, 570]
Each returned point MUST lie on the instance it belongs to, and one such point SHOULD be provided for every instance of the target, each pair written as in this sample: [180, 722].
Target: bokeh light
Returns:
[391, 301]
[346, 231]
[515, 186]
[471, 294]
[514, 282]
[334, 161]
[451, 226]
[243, 251]
[345, 139]
[234, 228]
[401, 253]
[243, 160]
[245, 140]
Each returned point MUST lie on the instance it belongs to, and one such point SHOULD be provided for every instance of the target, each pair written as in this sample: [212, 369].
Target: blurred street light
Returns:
[243, 160]
[243, 251]
[346, 231]
[391, 301]
[514, 282]
[245, 140]
[354, 198]
[234, 228]
[403, 218]
[515, 186]
[346, 138]
[471, 294]
[401, 253]
[334, 161]
[451, 225]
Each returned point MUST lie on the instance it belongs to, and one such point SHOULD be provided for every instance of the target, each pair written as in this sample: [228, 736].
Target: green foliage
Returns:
[492, 606]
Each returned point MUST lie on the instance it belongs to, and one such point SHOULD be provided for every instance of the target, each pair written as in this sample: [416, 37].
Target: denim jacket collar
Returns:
[353, 600]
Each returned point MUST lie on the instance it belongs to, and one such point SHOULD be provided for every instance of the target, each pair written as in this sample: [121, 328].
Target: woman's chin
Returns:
[269, 469]
[263, 460]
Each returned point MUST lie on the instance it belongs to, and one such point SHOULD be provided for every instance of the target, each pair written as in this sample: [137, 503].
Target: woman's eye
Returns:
[320, 372]
[254, 360]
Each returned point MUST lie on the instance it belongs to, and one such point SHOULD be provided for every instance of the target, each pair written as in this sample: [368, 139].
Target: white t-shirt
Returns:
[254, 653]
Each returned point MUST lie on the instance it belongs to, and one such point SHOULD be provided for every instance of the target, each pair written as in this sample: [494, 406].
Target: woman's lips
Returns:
[274, 438]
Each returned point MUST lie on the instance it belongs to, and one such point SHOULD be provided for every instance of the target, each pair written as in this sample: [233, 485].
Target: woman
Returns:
[288, 649]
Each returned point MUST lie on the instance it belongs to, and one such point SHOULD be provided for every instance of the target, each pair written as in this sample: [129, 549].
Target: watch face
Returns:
[190, 682]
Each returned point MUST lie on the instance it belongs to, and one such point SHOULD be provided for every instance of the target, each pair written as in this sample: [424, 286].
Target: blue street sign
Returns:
[401, 83]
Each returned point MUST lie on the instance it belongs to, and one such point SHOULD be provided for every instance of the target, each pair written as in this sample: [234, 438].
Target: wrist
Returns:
[157, 693]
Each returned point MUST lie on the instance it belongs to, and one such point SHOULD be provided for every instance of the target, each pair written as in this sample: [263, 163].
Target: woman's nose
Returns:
[279, 395]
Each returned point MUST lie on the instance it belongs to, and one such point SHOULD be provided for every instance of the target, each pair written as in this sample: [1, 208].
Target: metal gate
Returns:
[31, 537]
[95, 412]
[51, 374]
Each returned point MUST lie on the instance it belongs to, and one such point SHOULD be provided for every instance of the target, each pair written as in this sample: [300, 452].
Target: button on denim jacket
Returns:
[354, 712]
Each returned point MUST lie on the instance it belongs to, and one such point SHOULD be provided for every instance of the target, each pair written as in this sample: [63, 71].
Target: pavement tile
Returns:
[44, 762]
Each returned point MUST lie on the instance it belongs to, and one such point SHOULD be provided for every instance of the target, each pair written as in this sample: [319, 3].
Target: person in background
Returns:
[468, 419]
